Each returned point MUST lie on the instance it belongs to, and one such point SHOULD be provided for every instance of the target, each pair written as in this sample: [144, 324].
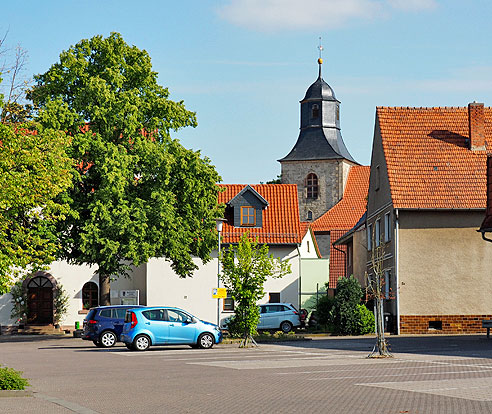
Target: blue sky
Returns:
[243, 65]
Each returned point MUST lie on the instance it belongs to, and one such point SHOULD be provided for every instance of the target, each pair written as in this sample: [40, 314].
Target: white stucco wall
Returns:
[194, 294]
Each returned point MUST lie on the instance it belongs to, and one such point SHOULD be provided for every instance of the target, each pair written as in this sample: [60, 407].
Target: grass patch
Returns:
[266, 336]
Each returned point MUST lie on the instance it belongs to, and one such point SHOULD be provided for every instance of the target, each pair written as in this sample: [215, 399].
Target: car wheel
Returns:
[286, 327]
[141, 343]
[97, 343]
[107, 339]
[130, 347]
[205, 341]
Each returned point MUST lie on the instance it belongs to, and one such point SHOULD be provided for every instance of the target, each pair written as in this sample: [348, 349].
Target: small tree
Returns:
[345, 313]
[245, 269]
[375, 286]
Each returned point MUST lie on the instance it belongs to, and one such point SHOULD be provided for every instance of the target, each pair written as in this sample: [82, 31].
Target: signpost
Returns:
[219, 293]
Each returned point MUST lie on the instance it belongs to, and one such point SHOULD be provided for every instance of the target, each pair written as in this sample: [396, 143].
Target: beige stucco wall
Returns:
[444, 265]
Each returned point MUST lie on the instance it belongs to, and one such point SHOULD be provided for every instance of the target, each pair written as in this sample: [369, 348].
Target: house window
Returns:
[315, 111]
[274, 297]
[387, 278]
[312, 186]
[377, 233]
[90, 295]
[310, 215]
[369, 237]
[387, 228]
[228, 303]
[248, 216]
[377, 178]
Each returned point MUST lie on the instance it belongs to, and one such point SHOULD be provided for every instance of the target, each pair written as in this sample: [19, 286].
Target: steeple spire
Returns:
[320, 59]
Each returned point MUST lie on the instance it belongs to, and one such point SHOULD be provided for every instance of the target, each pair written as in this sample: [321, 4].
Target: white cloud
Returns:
[272, 15]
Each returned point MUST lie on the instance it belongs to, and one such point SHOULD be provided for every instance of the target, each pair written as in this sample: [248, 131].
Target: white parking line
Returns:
[394, 375]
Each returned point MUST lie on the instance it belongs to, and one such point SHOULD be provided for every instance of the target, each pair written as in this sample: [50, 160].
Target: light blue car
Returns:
[167, 326]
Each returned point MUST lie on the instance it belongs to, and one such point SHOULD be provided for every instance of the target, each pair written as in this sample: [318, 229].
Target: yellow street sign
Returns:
[219, 293]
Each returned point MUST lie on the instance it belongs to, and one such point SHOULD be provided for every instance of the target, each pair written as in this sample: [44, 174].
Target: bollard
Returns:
[77, 325]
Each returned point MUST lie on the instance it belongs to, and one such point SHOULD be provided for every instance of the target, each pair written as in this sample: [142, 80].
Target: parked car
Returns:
[283, 316]
[167, 326]
[103, 325]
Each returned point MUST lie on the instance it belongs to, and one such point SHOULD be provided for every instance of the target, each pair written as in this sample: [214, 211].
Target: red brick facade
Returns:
[451, 324]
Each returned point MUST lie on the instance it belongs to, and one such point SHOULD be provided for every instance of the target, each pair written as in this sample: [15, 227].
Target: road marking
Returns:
[76, 408]
[394, 375]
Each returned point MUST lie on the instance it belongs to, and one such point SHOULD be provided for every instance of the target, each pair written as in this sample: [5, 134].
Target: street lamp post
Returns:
[218, 224]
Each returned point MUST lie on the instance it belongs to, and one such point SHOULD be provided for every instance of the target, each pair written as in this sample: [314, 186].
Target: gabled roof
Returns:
[305, 227]
[346, 213]
[253, 191]
[280, 220]
[428, 160]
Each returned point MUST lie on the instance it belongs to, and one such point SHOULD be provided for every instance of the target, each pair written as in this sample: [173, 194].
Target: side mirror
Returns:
[189, 320]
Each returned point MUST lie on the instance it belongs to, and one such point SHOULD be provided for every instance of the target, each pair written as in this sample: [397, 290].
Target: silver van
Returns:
[283, 316]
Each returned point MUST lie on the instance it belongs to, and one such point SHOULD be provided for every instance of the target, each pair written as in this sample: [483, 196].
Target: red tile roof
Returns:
[346, 213]
[428, 160]
[343, 216]
[280, 219]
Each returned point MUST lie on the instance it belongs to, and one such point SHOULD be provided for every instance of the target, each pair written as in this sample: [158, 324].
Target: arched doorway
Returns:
[40, 299]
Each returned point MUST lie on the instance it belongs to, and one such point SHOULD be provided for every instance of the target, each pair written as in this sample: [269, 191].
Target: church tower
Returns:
[319, 162]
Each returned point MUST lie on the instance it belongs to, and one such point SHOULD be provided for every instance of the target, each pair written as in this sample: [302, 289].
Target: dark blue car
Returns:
[103, 325]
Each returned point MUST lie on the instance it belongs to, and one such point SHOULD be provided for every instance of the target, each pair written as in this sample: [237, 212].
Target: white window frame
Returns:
[377, 232]
[387, 227]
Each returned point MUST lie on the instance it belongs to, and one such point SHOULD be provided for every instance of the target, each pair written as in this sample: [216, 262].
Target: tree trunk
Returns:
[104, 288]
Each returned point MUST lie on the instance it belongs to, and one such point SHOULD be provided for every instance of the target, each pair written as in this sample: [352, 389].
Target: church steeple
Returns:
[320, 136]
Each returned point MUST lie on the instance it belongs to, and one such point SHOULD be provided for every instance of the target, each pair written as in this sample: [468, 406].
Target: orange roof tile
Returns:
[428, 160]
[280, 219]
[346, 213]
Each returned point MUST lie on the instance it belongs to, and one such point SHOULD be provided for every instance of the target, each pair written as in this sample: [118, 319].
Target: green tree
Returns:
[245, 269]
[34, 170]
[137, 193]
[345, 313]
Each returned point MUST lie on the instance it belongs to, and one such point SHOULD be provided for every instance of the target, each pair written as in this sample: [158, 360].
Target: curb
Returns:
[15, 393]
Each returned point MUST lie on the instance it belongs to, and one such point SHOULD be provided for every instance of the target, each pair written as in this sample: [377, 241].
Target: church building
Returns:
[319, 163]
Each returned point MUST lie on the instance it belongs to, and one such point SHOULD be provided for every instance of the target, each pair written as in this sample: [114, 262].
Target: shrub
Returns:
[345, 313]
[10, 379]
[366, 320]
[325, 305]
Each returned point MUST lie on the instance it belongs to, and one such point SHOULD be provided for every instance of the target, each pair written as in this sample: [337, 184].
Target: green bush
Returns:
[10, 379]
[325, 305]
[366, 320]
[345, 313]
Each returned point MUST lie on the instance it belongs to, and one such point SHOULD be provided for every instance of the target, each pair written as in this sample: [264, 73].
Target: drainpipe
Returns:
[300, 278]
[397, 233]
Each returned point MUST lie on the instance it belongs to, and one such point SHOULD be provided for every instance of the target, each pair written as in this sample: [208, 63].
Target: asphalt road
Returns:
[433, 374]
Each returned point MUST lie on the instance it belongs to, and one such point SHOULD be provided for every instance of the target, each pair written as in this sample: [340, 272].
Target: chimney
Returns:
[476, 125]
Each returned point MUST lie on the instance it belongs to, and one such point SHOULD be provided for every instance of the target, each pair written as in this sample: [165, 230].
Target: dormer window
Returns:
[248, 216]
[312, 186]
[315, 111]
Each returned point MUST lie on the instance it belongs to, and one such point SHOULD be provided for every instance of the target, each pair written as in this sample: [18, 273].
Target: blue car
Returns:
[167, 326]
[103, 325]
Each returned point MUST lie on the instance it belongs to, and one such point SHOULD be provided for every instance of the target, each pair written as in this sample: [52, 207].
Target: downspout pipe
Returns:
[397, 240]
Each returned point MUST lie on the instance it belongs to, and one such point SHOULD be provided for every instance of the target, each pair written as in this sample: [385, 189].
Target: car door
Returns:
[261, 322]
[118, 315]
[156, 322]
[181, 331]
[271, 317]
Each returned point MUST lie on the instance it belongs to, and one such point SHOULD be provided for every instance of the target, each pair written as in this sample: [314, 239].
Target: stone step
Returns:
[40, 330]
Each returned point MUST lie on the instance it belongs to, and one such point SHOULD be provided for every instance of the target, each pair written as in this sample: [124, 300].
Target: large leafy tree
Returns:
[34, 170]
[245, 269]
[137, 193]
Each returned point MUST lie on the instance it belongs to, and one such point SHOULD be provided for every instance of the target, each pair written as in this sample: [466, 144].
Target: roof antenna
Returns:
[320, 60]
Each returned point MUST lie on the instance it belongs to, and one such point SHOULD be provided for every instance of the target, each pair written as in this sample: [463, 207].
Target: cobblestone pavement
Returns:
[428, 374]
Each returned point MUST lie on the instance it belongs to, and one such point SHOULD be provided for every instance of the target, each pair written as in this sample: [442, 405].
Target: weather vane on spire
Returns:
[320, 60]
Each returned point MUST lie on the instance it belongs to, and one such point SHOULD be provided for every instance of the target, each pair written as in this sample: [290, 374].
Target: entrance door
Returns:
[40, 301]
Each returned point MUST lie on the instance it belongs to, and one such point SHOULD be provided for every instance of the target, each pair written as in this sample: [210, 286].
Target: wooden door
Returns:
[40, 301]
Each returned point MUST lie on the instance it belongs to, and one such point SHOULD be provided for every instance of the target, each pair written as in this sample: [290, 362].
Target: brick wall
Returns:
[451, 324]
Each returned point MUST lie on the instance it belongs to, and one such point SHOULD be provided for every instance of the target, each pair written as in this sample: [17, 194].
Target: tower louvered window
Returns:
[312, 186]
